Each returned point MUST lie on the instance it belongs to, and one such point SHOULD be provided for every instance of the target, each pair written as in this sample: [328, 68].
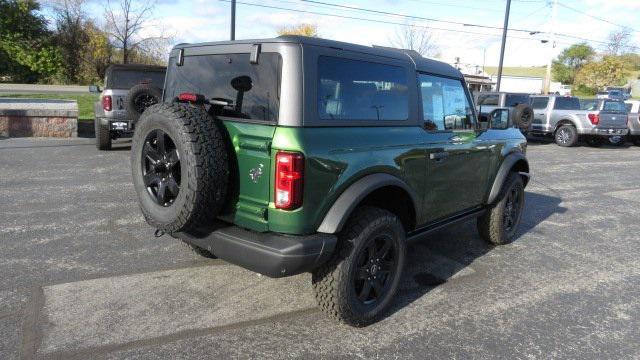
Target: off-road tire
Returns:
[153, 93]
[570, 140]
[204, 167]
[522, 116]
[333, 281]
[103, 135]
[491, 223]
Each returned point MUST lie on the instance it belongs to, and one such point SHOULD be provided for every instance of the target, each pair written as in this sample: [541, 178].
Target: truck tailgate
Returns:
[612, 120]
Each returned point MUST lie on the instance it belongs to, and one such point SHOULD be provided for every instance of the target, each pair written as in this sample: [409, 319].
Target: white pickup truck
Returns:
[562, 118]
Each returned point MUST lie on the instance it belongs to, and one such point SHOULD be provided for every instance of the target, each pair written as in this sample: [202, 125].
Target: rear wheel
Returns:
[500, 223]
[103, 135]
[360, 282]
[180, 167]
[566, 136]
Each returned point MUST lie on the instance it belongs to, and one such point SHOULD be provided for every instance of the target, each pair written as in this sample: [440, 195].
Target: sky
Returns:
[195, 21]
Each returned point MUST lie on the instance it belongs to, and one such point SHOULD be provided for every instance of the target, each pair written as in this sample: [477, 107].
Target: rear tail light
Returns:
[106, 103]
[289, 180]
[594, 118]
[191, 98]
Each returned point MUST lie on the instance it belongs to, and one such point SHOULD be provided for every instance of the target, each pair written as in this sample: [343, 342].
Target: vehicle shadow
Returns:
[448, 253]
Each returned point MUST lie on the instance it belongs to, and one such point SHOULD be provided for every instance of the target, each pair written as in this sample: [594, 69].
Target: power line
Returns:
[531, 32]
[596, 17]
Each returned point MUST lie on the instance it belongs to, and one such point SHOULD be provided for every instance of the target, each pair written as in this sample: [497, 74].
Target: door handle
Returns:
[439, 156]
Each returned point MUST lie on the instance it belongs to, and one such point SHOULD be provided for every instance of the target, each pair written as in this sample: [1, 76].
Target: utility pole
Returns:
[504, 42]
[233, 20]
[552, 45]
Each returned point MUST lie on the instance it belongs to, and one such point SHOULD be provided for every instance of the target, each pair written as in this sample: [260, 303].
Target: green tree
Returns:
[611, 70]
[568, 64]
[26, 50]
[71, 38]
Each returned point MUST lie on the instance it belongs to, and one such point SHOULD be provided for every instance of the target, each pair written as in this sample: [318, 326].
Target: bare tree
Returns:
[619, 41]
[126, 22]
[412, 37]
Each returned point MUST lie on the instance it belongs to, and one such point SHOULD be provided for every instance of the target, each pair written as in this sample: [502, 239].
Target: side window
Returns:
[490, 100]
[445, 104]
[539, 103]
[567, 103]
[361, 90]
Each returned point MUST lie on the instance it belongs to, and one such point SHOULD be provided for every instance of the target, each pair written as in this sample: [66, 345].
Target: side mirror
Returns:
[95, 89]
[499, 119]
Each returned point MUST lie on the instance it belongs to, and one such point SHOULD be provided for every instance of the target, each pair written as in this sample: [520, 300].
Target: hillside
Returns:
[533, 71]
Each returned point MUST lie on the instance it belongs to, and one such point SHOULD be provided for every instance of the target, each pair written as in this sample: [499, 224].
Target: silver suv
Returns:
[128, 91]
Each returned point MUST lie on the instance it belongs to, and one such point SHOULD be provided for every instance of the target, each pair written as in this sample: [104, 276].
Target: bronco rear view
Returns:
[296, 154]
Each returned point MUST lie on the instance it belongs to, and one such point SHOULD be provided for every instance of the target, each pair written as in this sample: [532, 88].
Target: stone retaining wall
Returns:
[38, 118]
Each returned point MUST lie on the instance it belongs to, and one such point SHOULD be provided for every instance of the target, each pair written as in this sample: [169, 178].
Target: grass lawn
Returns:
[85, 101]
[533, 71]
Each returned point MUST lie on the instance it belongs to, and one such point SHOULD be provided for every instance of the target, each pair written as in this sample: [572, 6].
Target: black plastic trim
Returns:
[271, 254]
[504, 170]
[440, 224]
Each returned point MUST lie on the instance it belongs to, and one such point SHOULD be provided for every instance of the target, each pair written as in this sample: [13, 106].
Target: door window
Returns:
[539, 103]
[445, 104]
[567, 103]
[360, 90]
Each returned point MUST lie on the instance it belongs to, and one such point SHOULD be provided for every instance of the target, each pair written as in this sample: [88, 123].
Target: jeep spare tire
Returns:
[180, 167]
[522, 116]
[139, 98]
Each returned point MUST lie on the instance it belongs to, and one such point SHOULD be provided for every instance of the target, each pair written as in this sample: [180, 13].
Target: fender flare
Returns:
[562, 122]
[503, 172]
[342, 208]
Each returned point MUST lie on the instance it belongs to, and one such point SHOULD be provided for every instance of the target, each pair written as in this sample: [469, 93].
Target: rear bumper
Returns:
[609, 131]
[271, 254]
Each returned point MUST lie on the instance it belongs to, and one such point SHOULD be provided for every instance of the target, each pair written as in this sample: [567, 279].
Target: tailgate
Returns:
[612, 120]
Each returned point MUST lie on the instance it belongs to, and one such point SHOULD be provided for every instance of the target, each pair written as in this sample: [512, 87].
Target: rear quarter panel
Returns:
[336, 158]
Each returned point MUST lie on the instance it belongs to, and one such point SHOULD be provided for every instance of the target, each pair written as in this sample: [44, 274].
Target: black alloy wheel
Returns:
[512, 210]
[161, 168]
[375, 269]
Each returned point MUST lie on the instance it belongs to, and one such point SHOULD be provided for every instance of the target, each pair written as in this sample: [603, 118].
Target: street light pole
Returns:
[552, 45]
[504, 42]
[233, 20]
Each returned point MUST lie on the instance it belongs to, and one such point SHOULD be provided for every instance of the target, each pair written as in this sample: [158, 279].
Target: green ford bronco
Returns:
[297, 154]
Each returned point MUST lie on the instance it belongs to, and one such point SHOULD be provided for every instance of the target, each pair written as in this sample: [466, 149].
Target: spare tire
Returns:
[180, 167]
[522, 116]
[139, 98]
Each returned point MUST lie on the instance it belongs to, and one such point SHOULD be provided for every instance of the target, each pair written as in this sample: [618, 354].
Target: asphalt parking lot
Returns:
[84, 277]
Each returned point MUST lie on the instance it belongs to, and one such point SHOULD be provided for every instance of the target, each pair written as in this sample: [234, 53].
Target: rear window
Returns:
[617, 106]
[539, 102]
[567, 103]
[251, 90]
[126, 79]
[515, 100]
[588, 105]
[360, 90]
[489, 100]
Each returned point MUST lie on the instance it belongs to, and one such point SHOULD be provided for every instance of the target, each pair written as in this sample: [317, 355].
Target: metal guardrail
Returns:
[42, 89]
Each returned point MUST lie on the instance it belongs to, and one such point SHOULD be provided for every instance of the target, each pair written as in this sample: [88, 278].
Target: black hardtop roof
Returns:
[421, 63]
[135, 67]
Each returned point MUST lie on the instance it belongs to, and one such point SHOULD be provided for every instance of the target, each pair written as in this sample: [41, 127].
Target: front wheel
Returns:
[500, 223]
[359, 283]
